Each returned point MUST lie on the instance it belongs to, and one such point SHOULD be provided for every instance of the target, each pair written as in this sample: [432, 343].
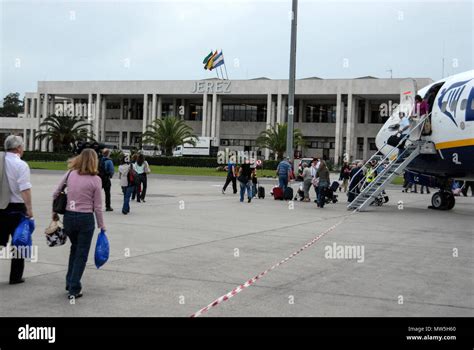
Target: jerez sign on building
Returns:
[210, 87]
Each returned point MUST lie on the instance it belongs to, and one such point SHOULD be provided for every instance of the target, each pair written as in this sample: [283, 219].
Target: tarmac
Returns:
[190, 244]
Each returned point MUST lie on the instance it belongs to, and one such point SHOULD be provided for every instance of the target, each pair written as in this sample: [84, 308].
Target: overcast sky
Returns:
[132, 40]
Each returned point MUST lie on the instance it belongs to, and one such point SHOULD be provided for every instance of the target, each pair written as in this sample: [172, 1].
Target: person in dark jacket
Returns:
[344, 176]
[323, 175]
[356, 176]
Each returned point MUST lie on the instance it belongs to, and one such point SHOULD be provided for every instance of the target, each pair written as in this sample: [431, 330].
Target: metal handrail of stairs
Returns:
[394, 164]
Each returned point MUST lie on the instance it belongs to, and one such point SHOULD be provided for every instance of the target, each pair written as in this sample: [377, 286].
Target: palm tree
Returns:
[275, 139]
[169, 132]
[64, 131]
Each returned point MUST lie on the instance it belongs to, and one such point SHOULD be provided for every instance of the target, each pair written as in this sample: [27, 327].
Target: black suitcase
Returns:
[288, 194]
[334, 186]
[261, 192]
[393, 140]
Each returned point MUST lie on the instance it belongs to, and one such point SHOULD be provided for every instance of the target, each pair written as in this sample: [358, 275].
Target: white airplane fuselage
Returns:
[452, 129]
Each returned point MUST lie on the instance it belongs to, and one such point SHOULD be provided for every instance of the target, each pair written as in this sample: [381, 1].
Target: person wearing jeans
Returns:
[283, 172]
[245, 181]
[80, 230]
[84, 198]
[323, 175]
[15, 198]
[127, 188]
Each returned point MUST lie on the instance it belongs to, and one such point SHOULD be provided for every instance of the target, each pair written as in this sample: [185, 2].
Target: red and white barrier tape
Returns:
[251, 281]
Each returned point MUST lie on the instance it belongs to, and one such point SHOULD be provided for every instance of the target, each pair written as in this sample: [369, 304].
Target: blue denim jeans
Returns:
[283, 182]
[127, 193]
[321, 195]
[243, 187]
[79, 227]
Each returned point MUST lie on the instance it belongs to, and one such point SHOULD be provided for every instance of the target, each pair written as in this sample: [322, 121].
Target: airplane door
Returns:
[408, 91]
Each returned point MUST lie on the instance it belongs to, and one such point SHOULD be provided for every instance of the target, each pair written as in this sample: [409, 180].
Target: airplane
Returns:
[447, 153]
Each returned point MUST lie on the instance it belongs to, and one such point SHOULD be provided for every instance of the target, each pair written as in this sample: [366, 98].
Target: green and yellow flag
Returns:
[209, 61]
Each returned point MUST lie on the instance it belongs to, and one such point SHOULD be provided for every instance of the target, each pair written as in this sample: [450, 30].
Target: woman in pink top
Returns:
[84, 196]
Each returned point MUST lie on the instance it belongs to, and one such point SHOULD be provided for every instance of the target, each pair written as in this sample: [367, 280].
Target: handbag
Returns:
[55, 235]
[315, 181]
[60, 202]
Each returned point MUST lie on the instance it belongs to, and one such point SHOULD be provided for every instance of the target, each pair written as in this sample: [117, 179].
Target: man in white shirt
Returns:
[403, 130]
[17, 173]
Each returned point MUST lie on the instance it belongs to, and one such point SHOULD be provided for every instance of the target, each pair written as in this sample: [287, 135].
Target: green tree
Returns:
[12, 105]
[275, 139]
[64, 131]
[167, 133]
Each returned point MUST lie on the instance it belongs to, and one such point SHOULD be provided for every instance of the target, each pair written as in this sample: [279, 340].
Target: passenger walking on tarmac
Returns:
[323, 175]
[254, 182]
[284, 173]
[344, 176]
[314, 169]
[231, 177]
[127, 187]
[356, 177]
[142, 168]
[307, 181]
[15, 198]
[106, 172]
[245, 173]
[84, 199]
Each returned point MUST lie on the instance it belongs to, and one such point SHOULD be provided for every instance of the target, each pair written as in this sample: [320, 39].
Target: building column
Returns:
[103, 119]
[204, 115]
[269, 121]
[45, 111]
[26, 107]
[159, 108]
[175, 114]
[339, 129]
[355, 119]
[349, 135]
[36, 111]
[283, 110]
[153, 108]
[128, 138]
[218, 121]
[97, 117]
[279, 109]
[366, 148]
[213, 115]
[145, 112]
[367, 112]
[300, 111]
[89, 113]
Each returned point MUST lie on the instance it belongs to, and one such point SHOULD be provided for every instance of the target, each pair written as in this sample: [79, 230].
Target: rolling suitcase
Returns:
[261, 192]
[277, 193]
[334, 186]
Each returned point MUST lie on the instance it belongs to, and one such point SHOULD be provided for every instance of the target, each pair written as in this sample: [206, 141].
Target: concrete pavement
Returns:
[189, 244]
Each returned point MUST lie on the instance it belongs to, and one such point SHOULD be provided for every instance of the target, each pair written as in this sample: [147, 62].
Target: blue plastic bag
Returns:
[22, 235]
[102, 249]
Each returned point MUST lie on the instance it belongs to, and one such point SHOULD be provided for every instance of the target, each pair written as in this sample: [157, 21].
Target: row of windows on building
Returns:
[313, 113]
[238, 112]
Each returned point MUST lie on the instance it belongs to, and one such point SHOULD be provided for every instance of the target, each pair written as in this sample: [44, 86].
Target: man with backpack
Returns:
[106, 172]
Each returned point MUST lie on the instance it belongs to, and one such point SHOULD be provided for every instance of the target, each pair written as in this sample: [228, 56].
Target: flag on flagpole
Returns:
[204, 61]
[218, 60]
[210, 62]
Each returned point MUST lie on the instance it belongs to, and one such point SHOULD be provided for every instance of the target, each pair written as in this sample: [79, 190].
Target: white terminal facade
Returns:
[336, 116]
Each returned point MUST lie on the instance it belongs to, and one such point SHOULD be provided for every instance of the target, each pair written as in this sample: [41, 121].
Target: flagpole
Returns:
[227, 76]
[222, 73]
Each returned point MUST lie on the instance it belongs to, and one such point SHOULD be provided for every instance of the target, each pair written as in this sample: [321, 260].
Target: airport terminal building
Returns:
[336, 116]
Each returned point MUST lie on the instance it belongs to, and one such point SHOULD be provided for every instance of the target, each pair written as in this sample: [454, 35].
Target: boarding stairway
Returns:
[387, 168]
